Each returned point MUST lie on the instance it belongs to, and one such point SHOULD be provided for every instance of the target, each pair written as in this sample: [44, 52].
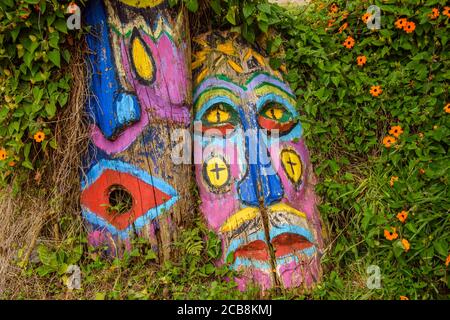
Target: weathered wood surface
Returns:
[257, 191]
[141, 92]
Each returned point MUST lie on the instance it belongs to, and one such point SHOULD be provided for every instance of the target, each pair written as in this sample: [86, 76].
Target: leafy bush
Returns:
[377, 155]
[33, 87]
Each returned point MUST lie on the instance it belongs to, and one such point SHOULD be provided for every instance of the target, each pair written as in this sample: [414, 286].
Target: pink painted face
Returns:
[149, 77]
[255, 177]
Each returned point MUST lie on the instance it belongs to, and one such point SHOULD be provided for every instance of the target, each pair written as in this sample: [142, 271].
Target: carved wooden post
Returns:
[252, 166]
[141, 94]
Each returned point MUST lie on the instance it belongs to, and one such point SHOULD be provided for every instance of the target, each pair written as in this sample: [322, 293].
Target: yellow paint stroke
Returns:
[292, 165]
[198, 63]
[282, 207]
[201, 75]
[141, 60]
[201, 42]
[275, 113]
[252, 53]
[235, 66]
[226, 48]
[217, 115]
[251, 213]
[142, 3]
[271, 89]
[217, 172]
[239, 218]
[216, 92]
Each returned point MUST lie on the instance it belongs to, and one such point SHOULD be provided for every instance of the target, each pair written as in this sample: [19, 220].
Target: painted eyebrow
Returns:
[264, 78]
[218, 82]
[268, 92]
[212, 96]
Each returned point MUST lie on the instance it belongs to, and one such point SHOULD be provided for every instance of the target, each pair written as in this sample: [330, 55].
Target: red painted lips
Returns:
[283, 244]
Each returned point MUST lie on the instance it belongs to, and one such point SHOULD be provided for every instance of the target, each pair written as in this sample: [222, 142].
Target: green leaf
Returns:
[231, 15]
[192, 5]
[50, 108]
[55, 57]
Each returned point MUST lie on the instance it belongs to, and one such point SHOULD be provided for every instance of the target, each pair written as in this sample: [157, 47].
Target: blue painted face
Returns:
[113, 108]
[140, 95]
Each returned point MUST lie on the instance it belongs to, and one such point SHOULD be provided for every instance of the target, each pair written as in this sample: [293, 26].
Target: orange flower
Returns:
[394, 179]
[388, 141]
[330, 22]
[446, 11]
[447, 261]
[406, 245]
[410, 27]
[402, 216]
[3, 154]
[12, 164]
[422, 171]
[343, 27]
[39, 136]
[396, 131]
[334, 8]
[401, 23]
[447, 108]
[361, 60]
[349, 42]
[391, 235]
[366, 16]
[434, 14]
[376, 91]
[404, 298]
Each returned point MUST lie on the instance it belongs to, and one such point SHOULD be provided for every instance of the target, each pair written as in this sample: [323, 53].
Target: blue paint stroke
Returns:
[113, 109]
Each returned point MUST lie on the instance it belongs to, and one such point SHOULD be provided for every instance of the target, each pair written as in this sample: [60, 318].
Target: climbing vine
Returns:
[33, 84]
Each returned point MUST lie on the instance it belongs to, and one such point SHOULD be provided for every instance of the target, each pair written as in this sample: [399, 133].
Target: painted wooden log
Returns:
[139, 56]
[253, 169]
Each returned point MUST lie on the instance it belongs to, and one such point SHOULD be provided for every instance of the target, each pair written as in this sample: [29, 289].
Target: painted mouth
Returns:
[289, 233]
[284, 244]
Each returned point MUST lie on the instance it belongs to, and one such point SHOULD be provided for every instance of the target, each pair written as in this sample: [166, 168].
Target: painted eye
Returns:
[274, 116]
[217, 115]
[220, 117]
[292, 165]
[141, 59]
[216, 173]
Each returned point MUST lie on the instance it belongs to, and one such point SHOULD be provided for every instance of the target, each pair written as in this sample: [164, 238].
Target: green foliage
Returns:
[345, 126]
[33, 87]
[249, 17]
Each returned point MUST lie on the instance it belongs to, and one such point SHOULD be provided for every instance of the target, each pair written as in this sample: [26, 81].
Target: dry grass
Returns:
[33, 216]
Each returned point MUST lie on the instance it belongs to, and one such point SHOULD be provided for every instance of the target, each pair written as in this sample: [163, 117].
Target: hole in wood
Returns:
[120, 200]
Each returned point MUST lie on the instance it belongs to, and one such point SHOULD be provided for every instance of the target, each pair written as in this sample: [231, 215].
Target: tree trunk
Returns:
[139, 56]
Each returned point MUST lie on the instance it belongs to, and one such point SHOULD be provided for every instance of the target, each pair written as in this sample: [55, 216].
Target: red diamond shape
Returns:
[145, 197]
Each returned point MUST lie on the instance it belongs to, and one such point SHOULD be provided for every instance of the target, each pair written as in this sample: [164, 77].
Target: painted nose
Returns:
[113, 108]
[113, 118]
[261, 179]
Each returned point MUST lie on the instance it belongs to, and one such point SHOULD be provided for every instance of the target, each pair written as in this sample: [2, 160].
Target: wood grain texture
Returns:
[257, 190]
[141, 93]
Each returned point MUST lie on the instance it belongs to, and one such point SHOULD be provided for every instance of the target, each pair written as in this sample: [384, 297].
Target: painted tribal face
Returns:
[257, 190]
[140, 93]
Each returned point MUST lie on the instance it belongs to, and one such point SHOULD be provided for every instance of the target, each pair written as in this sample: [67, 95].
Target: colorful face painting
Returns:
[255, 177]
[139, 55]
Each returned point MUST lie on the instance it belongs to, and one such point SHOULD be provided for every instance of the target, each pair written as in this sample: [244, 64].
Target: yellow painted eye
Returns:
[274, 113]
[217, 115]
[141, 59]
[142, 3]
[216, 172]
[292, 165]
